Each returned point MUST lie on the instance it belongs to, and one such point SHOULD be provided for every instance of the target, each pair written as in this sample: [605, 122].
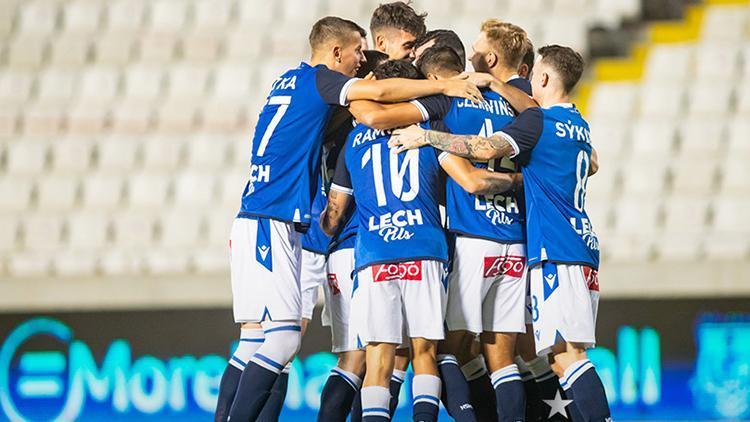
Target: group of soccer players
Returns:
[442, 211]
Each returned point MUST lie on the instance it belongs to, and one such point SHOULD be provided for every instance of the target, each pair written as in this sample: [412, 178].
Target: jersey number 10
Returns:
[397, 172]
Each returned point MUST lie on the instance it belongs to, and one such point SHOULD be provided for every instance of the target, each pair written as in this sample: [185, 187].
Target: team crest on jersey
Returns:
[409, 271]
[333, 284]
[592, 278]
[495, 266]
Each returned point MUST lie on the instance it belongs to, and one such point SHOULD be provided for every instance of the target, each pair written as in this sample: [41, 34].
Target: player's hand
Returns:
[462, 88]
[369, 77]
[407, 138]
[480, 79]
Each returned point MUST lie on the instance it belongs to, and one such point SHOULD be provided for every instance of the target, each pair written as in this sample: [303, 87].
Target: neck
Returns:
[502, 73]
[553, 98]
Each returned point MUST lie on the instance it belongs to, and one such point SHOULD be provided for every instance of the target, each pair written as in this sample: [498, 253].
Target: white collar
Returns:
[513, 77]
[564, 105]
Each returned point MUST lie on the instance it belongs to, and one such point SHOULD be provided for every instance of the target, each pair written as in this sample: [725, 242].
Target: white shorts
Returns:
[338, 300]
[265, 270]
[405, 297]
[564, 302]
[487, 287]
[312, 276]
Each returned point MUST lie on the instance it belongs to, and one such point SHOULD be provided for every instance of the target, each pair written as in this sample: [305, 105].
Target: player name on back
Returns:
[572, 131]
[368, 136]
[499, 107]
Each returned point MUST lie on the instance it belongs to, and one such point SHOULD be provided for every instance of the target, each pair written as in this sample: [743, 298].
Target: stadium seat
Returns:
[132, 116]
[708, 55]
[187, 82]
[661, 99]
[194, 189]
[42, 232]
[613, 100]
[180, 230]
[8, 234]
[30, 264]
[133, 229]
[121, 262]
[701, 137]
[735, 174]
[652, 137]
[737, 144]
[88, 231]
[742, 92]
[678, 247]
[256, 13]
[645, 177]
[211, 15]
[243, 44]
[99, 83]
[694, 176]
[608, 137]
[102, 192]
[202, 46]
[57, 193]
[113, 49]
[15, 87]
[232, 184]
[730, 216]
[232, 82]
[664, 58]
[599, 213]
[727, 23]
[207, 153]
[117, 155]
[82, 16]
[27, 52]
[159, 261]
[56, 86]
[74, 263]
[176, 116]
[709, 98]
[86, 117]
[15, 194]
[213, 260]
[71, 156]
[43, 119]
[636, 215]
[148, 190]
[27, 157]
[162, 153]
[143, 82]
[168, 15]
[125, 15]
[38, 17]
[686, 214]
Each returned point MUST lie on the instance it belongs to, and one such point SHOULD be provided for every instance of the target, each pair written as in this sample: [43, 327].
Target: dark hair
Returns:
[396, 69]
[528, 57]
[443, 38]
[566, 62]
[398, 15]
[440, 59]
[332, 28]
[374, 58]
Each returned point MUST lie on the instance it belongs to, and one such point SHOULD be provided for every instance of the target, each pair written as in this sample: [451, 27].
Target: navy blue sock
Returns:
[455, 392]
[227, 389]
[587, 390]
[252, 392]
[397, 379]
[338, 395]
[534, 412]
[272, 409]
[509, 393]
[356, 415]
[483, 398]
[573, 413]
[426, 392]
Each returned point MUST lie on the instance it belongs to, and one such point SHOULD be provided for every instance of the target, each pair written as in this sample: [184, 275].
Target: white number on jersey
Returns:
[410, 163]
[283, 102]
[487, 131]
[582, 176]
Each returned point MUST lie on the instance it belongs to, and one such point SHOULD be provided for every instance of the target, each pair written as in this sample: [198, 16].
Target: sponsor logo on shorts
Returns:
[333, 284]
[512, 266]
[410, 271]
[592, 278]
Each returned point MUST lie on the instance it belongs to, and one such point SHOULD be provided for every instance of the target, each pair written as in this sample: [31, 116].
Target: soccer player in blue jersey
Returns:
[563, 250]
[438, 38]
[394, 27]
[276, 205]
[400, 254]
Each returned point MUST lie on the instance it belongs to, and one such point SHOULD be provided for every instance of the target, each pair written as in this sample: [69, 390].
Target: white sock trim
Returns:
[398, 376]
[474, 369]
[375, 401]
[447, 360]
[352, 379]
[524, 370]
[426, 389]
[574, 371]
[507, 374]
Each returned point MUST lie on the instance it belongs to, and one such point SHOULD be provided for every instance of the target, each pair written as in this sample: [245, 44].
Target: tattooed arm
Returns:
[478, 181]
[335, 212]
[474, 147]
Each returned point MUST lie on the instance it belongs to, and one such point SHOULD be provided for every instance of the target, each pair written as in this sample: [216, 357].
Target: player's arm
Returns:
[517, 98]
[593, 162]
[389, 116]
[334, 215]
[477, 181]
[519, 136]
[339, 198]
[398, 89]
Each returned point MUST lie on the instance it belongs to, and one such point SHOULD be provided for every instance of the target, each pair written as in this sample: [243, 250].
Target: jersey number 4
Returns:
[397, 172]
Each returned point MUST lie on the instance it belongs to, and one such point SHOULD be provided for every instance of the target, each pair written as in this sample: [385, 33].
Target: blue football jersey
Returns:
[314, 239]
[493, 217]
[397, 199]
[558, 144]
[347, 236]
[285, 150]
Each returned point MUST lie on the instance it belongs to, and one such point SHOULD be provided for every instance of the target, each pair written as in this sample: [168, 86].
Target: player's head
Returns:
[439, 38]
[440, 63]
[499, 47]
[337, 43]
[527, 62]
[373, 58]
[396, 69]
[556, 71]
[394, 27]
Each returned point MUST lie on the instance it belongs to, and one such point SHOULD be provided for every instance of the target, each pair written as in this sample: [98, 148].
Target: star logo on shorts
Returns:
[263, 250]
[557, 405]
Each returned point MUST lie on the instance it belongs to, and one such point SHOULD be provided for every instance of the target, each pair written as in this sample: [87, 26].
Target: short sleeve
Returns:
[342, 181]
[333, 86]
[522, 84]
[524, 132]
[433, 107]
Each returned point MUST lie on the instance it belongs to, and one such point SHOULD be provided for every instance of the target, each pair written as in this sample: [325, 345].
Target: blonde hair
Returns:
[508, 41]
